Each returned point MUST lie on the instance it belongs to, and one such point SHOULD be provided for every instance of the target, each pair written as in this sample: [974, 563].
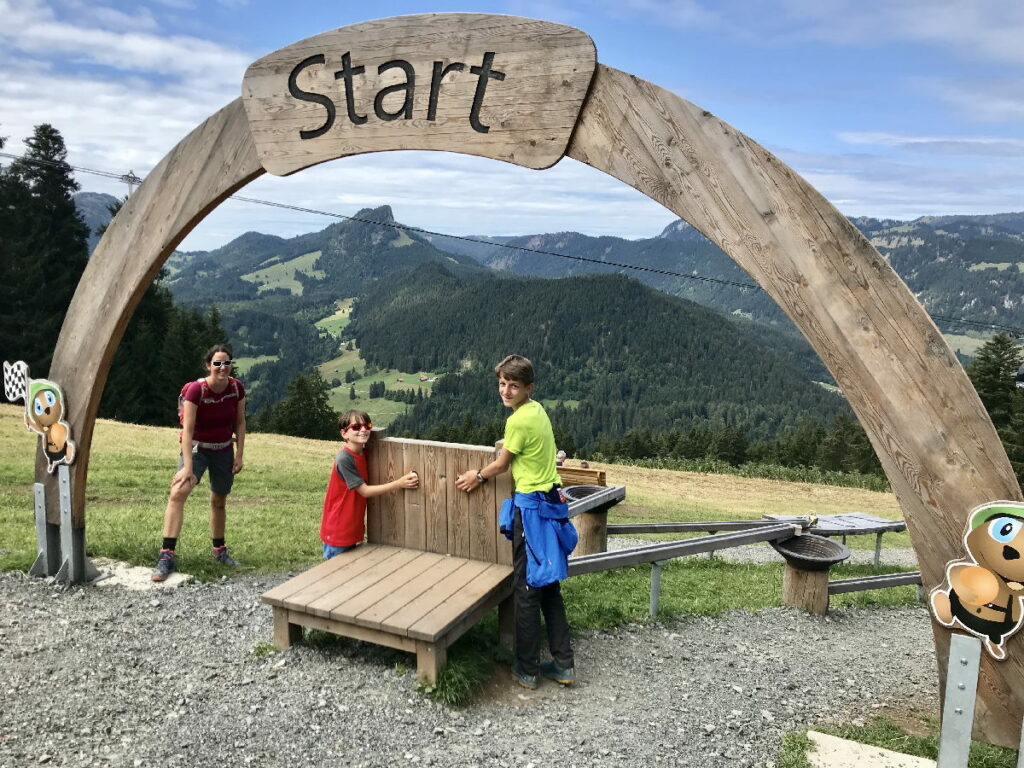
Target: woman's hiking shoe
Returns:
[525, 680]
[552, 671]
[164, 565]
[220, 554]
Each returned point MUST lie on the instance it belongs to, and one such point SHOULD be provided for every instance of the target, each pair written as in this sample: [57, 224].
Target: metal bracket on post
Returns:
[47, 538]
[76, 567]
[958, 710]
[655, 587]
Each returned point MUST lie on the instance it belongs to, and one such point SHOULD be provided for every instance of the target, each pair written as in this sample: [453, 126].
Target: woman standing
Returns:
[213, 409]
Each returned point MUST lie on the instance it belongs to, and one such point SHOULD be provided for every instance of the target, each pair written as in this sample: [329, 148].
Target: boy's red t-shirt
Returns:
[344, 519]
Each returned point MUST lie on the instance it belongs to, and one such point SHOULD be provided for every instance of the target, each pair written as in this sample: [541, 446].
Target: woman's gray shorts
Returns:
[219, 464]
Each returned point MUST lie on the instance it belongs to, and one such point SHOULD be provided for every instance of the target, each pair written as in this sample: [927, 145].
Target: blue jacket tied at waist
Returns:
[548, 534]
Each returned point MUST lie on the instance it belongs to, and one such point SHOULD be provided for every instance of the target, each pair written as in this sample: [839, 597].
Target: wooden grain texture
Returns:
[438, 594]
[378, 615]
[806, 590]
[936, 443]
[207, 166]
[492, 581]
[528, 104]
[580, 476]
[457, 462]
[483, 523]
[412, 499]
[375, 456]
[502, 490]
[392, 506]
[592, 528]
[435, 496]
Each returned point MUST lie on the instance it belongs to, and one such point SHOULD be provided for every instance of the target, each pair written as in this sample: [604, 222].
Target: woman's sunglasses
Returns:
[219, 363]
[365, 427]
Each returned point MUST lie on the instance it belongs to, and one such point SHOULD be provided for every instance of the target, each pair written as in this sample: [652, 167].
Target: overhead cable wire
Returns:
[131, 179]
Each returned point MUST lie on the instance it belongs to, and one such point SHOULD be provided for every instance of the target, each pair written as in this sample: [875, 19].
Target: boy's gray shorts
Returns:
[219, 464]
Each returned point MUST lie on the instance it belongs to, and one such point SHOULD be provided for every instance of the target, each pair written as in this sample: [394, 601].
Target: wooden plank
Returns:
[351, 570]
[374, 459]
[376, 615]
[295, 584]
[435, 496]
[414, 611]
[483, 523]
[412, 500]
[398, 579]
[580, 476]
[520, 109]
[494, 579]
[344, 629]
[502, 491]
[458, 461]
[392, 508]
[328, 600]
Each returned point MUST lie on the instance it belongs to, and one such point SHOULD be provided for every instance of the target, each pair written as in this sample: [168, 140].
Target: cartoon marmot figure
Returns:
[984, 595]
[44, 413]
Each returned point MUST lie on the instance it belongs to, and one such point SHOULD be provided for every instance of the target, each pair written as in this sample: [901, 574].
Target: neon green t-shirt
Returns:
[528, 436]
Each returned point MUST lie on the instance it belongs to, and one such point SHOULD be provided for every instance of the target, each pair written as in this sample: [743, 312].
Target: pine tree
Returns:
[992, 374]
[44, 247]
[352, 392]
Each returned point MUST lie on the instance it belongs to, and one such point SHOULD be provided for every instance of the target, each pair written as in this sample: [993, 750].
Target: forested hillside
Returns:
[612, 355]
[968, 267]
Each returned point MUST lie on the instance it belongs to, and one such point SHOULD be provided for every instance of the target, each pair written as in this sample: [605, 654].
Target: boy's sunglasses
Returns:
[219, 363]
[366, 426]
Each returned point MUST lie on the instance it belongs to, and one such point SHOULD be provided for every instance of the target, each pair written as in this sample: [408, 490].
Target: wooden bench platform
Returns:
[415, 601]
[433, 565]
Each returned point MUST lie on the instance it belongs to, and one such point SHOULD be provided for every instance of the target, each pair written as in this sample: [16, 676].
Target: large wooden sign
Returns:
[498, 86]
[518, 90]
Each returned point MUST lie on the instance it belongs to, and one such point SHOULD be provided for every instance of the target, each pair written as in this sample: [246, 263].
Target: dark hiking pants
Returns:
[529, 602]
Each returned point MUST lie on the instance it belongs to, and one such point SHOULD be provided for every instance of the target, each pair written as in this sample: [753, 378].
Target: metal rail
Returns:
[625, 529]
[839, 586]
[669, 550]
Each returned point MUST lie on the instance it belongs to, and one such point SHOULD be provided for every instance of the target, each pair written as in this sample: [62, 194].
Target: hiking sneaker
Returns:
[525, 680]
[165, 565]
[220, 554]
[552, 671]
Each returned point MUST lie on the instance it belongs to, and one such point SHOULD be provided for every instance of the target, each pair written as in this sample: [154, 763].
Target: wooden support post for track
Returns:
[807, 590]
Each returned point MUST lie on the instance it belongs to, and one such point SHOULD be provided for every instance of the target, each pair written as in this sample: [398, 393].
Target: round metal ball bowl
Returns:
[811, 553]
[577, 492]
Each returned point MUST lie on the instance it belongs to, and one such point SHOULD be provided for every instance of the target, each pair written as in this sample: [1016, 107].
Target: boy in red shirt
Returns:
[343, 525]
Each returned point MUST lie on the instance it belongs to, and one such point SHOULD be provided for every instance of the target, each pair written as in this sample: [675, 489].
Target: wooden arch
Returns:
[529, 92]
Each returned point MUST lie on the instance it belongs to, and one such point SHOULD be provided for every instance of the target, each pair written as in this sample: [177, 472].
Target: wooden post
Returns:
[807, 590]
[285, 635]
[592, 528]
[430, 660]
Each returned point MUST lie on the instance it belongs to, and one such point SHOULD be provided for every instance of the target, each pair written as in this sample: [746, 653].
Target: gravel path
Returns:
[110, 677]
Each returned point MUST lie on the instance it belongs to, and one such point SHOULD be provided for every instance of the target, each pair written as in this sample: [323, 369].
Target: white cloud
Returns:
[32, 29]
[943, 145]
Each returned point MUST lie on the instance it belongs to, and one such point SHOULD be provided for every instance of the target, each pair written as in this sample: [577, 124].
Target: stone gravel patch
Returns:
[183, 677]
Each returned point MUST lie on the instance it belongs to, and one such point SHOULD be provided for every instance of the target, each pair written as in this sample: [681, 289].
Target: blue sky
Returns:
[891, 108]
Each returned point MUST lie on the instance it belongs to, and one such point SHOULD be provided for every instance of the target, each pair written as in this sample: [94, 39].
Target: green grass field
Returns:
[282, 275]
[381, 410]
[336, 323]
[243, 364]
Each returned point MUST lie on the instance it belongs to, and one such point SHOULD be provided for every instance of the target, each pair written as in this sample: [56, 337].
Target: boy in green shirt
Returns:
[529, 449]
